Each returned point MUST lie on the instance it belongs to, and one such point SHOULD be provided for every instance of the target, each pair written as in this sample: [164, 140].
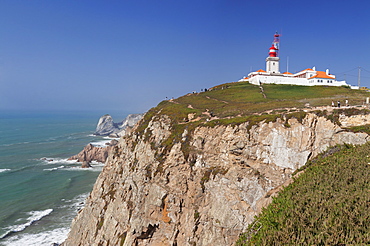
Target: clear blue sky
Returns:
[130, 55]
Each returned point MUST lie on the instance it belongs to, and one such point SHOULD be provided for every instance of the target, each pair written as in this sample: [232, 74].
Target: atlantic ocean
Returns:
[40, 190]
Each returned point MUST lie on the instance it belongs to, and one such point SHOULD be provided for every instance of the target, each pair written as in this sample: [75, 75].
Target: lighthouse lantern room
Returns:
[272, 61]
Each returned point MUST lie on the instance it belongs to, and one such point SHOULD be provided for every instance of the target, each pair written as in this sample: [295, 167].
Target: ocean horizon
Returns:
[40, 190]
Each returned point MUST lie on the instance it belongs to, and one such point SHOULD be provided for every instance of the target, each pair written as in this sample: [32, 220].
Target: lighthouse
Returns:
[307, 77]
[272, 61]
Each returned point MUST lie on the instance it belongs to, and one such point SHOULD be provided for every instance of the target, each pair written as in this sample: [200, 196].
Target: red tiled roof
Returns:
[322, 75]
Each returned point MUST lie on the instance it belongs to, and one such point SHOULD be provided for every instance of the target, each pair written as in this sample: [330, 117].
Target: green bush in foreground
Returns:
[329, 204]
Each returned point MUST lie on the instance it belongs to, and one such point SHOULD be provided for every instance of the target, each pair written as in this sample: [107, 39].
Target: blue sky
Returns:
[130, 55]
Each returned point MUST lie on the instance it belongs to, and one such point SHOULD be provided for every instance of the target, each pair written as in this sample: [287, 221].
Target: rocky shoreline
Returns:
[106, 127]
[93, 153]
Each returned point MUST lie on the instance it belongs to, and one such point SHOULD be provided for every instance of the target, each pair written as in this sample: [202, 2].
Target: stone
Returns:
[207, 196]
[85, 164]
[94, 153]
[106, 126]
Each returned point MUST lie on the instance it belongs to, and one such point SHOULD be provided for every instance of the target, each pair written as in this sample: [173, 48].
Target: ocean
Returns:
[40, 190]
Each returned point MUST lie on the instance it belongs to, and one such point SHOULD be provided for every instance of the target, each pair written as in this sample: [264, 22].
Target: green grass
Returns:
[328, 204]
[242, 98]
[241, 102]
[363, 128]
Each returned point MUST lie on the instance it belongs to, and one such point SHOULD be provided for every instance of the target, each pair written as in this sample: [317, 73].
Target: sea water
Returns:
[40, 190]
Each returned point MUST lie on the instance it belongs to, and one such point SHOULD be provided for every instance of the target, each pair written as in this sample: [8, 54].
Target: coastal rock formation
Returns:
[129, 122]
[85, 164]
[202, 188]
[93, 153]
[106, 126]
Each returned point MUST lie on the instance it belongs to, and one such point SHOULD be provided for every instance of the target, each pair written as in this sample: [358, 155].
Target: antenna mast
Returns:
[359, 77]
[287, 63]
[276, 42]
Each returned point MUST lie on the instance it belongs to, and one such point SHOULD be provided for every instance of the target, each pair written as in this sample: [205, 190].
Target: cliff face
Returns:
[205, 188]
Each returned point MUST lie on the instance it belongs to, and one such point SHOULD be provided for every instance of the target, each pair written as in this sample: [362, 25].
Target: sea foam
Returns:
[95, 167]
[4, 170]
[33, 217]
[46, 238]
[54, 168]
[102, 143]
[47, 160]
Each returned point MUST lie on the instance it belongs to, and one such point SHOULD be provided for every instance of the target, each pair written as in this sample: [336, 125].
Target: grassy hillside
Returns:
[328, 204]
[235, 103]
[242, 98]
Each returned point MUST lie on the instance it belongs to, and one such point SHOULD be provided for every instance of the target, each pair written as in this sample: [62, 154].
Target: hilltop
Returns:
[240, 99]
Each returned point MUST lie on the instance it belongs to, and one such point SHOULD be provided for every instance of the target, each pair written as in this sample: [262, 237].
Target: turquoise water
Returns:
[40, 191]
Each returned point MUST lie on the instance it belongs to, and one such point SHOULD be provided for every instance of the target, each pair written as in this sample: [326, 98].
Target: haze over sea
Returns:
[40, 191]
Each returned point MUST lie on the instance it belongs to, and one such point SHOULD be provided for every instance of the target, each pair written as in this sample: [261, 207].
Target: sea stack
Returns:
[107, 127]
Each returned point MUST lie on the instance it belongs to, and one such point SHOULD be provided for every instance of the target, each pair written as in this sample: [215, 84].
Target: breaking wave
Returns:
[34, 216]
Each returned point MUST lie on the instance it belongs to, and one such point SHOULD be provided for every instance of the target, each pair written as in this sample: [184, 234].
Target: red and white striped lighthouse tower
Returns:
[273, 51]
[272, 61]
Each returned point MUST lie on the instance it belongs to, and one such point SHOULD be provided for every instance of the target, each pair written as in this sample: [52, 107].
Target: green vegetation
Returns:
[100, 224]
[196, 215]
[123, 238]
[240, 102]
[334, 116]
[243, 99]
[364, 128]
[326, 205]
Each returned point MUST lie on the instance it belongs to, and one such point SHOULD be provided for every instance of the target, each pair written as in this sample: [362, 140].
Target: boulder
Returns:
[85, 164]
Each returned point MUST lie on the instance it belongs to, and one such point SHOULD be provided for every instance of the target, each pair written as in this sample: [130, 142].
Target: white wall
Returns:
[291, 81]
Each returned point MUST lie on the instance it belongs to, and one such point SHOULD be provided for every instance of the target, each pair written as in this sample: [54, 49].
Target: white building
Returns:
[307, 77]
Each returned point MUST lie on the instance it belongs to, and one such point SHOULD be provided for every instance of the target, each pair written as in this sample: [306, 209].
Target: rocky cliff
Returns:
[202, 185]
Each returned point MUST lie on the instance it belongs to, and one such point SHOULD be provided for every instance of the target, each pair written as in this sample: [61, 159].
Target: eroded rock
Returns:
[203, 189]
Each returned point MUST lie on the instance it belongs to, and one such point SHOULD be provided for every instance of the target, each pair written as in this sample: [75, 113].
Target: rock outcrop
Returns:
[202, 188]
[106, 126]
[93, 153]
